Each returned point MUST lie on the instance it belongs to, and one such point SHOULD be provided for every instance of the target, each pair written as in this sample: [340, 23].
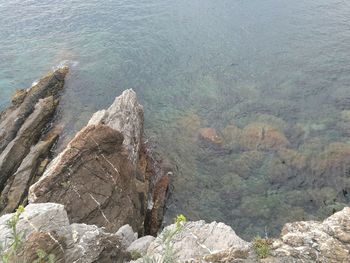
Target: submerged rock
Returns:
[211, 136]
[107, 175]
[260, 136]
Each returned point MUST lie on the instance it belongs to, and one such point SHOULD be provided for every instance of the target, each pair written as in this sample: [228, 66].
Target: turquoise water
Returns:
[205, 63]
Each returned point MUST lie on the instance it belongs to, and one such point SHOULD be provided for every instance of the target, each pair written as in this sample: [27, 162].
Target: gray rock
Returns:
[126, 116]
[141, 245]
[196, 240]
[46, 226]
[126, 235]
[312, 241]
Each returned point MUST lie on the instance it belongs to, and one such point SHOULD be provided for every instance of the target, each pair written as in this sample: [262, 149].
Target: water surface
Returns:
[275, 68]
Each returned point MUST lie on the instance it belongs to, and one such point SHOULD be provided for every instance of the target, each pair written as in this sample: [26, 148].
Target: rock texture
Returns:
[107, 175]
[21, 127]
[311, 241]
[306, 241]
[46, 227]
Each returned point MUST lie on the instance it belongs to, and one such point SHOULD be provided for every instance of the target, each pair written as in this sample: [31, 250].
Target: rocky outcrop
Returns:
[311, 241]
[107, 175]
[306, 241]
[21, 127]
[24, 103]
[45, 227]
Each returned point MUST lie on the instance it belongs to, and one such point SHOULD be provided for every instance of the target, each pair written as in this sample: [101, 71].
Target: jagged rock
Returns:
[25, 174]
[306, 241]
[126, 116]
[94, 180]
[311, 241]
[28, 134]
[197, 240]
[141, 245]
[127, 235]
[107, 175]
[24, 103]
[46, 227]
[21, 126]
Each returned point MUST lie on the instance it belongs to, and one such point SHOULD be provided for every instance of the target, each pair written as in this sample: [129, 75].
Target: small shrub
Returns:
[135, 255]
[261, 246]
[43, 257]
[169, 255]
[10, 254]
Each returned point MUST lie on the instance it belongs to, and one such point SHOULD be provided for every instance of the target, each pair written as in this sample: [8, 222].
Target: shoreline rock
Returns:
[109, 172]
[21, 127]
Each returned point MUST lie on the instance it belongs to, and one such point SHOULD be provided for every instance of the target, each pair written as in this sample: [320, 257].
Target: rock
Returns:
[126, 235]
[197, 240]
[312, 241]
[93, 179]
[305, 241]
[46, 227]
[21, 127]
[154, 216]
[126, 116]
[25, 175]
[141, 245]
[24, 103]
[108, 175]
[28, 134]
[261, 136]
[93, 244]
[232, 135]
[210, 135]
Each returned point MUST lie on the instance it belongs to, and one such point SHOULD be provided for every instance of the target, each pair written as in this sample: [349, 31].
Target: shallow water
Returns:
[204, 63]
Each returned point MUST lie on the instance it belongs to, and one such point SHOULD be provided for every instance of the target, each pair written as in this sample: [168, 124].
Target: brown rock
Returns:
[25, 174]
[12, 119]
[94, 180]
[108, 175]
[211, 136]
[260, 136]
[49, 244]
[29, 133]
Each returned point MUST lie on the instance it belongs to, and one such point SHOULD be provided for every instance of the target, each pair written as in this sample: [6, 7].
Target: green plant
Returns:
[43, 257]
[10, 253]
[261, 246]
[169, 255]
[135, 255]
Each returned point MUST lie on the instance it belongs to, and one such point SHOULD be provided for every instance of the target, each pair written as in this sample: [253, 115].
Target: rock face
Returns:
[107, 176]
[21, 126]
[46, 227]
[311, 241]
[307, 241]
[194, 242]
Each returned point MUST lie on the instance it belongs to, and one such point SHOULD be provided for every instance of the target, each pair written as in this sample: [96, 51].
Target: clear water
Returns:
[205, 63]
